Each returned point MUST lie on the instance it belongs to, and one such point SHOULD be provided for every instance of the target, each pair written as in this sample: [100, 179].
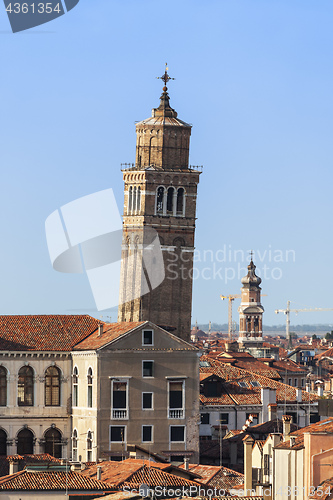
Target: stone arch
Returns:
[53, 442]
[25, 440]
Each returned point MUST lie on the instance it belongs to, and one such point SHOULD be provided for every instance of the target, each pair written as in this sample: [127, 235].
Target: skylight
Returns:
[204, 364]
[255, 383]
[242, 384]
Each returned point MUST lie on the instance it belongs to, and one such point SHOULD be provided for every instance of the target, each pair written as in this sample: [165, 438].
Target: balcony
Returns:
[120, 414]
[177, 413]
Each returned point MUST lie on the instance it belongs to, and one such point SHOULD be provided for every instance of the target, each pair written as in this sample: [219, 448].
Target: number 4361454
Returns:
[33, 8]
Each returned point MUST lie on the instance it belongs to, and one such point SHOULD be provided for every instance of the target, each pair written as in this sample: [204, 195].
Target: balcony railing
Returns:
[120, 414]
[179, 413]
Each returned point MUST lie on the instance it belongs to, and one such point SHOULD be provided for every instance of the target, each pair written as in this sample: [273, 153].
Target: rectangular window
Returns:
[147, 433]
[177, 433]
[147, 400]
[302, 382]
[266, 464]
[289, 381]
[147, 337]
[176, 399]
[119, 399]
[205, 418]
[147, 368]
[295, 382]
[224, 418]
[117, 434]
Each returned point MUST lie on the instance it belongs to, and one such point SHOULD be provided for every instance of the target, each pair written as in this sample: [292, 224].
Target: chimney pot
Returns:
[100, 329]
[99, 473]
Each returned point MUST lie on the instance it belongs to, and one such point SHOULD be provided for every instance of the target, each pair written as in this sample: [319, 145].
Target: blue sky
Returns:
[254, 78]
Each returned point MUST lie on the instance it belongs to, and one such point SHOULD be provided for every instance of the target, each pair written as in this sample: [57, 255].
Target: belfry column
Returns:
[250, 309]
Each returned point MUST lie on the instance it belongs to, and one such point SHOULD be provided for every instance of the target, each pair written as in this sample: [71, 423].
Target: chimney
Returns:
[272, 411]
[292, 441]
[99, 473]
[100, 329]
[186, 460]
[320, 390]
[13, 466]
[248, 443]
[286, 421]
[299, 395]
[265, 392]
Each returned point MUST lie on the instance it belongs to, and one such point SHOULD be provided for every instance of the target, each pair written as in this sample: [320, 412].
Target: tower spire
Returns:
[164, 108]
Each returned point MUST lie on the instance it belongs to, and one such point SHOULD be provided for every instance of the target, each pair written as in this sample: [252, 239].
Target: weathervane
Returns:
[165, 77]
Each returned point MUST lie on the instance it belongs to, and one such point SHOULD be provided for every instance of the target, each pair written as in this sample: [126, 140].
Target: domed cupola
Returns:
[251, 278]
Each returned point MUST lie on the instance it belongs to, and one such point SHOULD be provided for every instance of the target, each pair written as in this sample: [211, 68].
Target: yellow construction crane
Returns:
[230, 298]
[288, 311]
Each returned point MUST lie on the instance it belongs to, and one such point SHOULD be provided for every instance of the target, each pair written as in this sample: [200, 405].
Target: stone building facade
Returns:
[144, 391]
[159, 209]
[75, 387]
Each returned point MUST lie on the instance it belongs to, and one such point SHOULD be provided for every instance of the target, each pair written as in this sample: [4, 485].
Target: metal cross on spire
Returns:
[251, 253]
[165, 77]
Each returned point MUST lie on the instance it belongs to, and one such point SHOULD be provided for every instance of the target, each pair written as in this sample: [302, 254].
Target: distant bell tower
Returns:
[159, 199]
[250, 309]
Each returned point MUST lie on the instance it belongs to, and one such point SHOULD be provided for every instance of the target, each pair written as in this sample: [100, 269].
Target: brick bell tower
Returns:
[159, 206]
[250, 309]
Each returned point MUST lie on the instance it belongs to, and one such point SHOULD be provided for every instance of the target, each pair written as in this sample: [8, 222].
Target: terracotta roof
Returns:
[111, 331]
[284, 365]
[217, 477]
[248, 395]
[26, 480]
[44, 332]
[166, 466]
[133, 474]
[326, 354]
[252, 364]
[23, 460]
[323, 426]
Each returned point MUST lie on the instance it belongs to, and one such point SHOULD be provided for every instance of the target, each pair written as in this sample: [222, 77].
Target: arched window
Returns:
[3, 386]
[75, 386]
[90, 387]
[180, 201]
[74, 446]
[52, 386]
[25, 389]
[3, 443]
[52, 444]
[133, 208]
[130, 197]
[138, 201]
[160, 200]
[89, 446]
[170, 196]
[25, 442]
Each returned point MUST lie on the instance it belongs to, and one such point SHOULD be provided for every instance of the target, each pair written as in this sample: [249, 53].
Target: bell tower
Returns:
[250, 309]
[159, 206]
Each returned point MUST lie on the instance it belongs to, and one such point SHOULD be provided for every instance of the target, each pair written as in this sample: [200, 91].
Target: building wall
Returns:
[37, 418]
[84, 418]
[123, 362]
